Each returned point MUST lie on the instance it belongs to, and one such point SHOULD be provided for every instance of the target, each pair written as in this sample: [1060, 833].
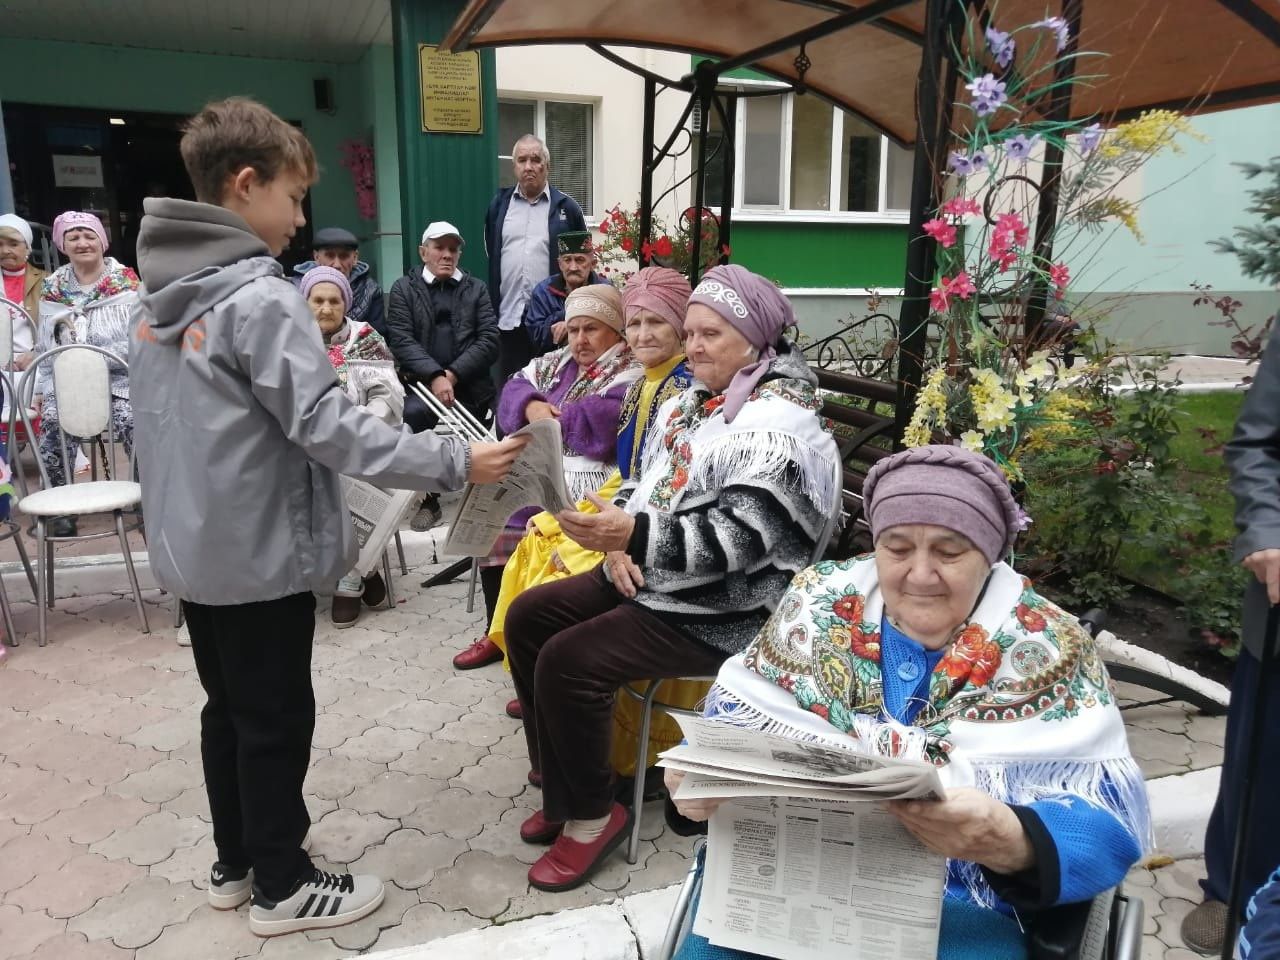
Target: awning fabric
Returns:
[1195, 55]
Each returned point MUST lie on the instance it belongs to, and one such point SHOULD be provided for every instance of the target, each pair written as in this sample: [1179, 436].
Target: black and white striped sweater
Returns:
[719, 553]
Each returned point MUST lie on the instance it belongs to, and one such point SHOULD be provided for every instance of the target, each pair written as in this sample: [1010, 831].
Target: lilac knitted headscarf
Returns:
[948, 487]
[755, 308]
[318, 275]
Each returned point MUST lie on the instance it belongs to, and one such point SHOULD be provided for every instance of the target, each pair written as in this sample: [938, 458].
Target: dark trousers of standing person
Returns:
[514, 353]
[254, 662]
[1262, 853]
[571, 644]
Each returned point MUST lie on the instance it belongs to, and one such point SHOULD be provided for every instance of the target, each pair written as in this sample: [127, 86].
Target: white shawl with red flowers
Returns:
[1020, 706]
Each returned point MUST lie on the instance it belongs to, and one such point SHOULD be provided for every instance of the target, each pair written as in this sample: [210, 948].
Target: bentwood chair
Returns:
[82, 384]
[648, 698]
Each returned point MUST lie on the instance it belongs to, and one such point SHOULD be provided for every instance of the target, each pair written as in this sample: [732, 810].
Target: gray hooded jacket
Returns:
[240, 425]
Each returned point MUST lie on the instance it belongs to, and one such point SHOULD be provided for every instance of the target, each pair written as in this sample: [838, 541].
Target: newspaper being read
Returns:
[798, 866]
[536, 479]
[376, 514]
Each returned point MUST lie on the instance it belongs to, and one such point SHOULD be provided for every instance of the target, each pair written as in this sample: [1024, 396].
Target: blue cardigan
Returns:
[563, 214]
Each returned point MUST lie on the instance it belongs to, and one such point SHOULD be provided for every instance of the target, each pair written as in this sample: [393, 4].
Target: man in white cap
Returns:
[444, 334]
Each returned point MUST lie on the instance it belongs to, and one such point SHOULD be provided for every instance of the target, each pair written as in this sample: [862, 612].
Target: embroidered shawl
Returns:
[1020, 706]
[358, 341]
[637, 415]
[613, 368]
[775, 441]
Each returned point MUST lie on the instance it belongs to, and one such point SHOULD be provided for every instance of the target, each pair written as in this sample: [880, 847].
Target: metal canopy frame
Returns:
[935, 93]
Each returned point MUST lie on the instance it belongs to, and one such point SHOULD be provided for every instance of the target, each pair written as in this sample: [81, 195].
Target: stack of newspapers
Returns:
[799, 865]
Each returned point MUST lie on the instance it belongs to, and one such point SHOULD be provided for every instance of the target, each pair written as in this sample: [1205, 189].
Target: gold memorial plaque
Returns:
[450, 87]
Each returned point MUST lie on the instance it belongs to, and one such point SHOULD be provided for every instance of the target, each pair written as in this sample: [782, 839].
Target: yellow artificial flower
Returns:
[972, 440]
[1148, 134]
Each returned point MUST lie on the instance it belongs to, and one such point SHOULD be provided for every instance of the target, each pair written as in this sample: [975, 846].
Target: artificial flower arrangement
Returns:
[621, 245]
[357, 157]
[986, 383]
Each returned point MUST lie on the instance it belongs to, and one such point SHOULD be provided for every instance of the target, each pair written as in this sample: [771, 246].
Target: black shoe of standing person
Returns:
[61, 527]
[375, 590]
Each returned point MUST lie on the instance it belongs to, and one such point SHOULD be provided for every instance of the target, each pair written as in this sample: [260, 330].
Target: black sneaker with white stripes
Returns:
[325, 900]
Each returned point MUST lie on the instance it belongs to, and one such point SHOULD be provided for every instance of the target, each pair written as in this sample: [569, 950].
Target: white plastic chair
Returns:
[82, 384]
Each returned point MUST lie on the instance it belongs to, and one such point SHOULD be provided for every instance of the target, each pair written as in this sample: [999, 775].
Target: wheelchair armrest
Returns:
[1071, 931]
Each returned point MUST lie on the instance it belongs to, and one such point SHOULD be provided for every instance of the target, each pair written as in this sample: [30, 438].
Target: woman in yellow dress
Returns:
[654, 302]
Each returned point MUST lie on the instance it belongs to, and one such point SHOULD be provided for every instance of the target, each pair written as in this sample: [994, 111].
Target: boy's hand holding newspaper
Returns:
[491, 461]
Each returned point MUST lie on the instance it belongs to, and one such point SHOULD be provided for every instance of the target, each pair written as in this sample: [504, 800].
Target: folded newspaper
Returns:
[536, 479]
[798, 866]
[376, 515]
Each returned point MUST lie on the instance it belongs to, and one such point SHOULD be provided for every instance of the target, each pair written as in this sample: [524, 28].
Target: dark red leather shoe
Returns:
[480, 654]
[568, 863]
[538, 829]
[535, 778]
[515, 711]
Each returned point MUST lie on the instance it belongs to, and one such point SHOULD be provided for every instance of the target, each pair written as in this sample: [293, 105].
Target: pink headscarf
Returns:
[754, 307]
[73, 219]
[659, 290]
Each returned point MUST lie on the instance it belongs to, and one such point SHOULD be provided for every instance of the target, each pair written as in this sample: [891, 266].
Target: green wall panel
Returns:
[442, 176]
[102, 77]
[823, 254]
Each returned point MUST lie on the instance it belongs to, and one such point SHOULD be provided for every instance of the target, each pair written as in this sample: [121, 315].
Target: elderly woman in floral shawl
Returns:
[932, 648]
[88, 300]
[582, 385]
[366, 370]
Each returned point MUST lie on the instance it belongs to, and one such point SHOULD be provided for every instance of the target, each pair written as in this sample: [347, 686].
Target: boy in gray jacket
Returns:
[241, 431]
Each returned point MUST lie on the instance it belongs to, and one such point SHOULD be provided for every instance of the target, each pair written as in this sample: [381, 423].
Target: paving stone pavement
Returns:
[416, 774]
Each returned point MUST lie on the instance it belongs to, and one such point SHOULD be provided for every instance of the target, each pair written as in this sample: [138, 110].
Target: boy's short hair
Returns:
[229, 135]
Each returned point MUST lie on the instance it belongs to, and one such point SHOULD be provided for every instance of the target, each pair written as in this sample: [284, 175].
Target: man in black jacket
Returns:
[443, 332]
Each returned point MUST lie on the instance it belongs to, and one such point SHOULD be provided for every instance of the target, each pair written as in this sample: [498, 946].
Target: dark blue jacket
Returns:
[545, 308]
[563, 214]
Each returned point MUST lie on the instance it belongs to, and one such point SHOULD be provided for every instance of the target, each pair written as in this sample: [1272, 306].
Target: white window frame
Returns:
[539, 101]
[760, 213]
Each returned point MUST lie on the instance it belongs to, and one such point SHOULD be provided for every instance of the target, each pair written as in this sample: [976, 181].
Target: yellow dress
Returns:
[535, 562]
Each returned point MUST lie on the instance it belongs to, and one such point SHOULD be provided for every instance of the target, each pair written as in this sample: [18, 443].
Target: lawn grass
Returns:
[1199, 473]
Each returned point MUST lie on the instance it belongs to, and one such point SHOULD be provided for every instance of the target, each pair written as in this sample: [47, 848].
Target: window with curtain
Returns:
[810, 154]
[762, 154]
[569, 136]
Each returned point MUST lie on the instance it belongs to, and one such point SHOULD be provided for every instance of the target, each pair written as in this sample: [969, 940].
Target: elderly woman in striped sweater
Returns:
[736, 484]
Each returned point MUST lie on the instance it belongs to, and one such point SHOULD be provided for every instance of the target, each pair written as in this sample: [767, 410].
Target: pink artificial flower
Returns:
[940, 299]
[1012, 223]
[941, 231]
[960, 286]
[962, 207]
[1060, 276]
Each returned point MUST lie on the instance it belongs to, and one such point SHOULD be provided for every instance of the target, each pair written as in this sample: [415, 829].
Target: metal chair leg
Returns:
[404, 567]
[11, 635]
[177, 612]
[50, 593]
[386, 576]
[26, 562]
[41, 585]
[471, 587]
[133, 576]
[642, 754]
